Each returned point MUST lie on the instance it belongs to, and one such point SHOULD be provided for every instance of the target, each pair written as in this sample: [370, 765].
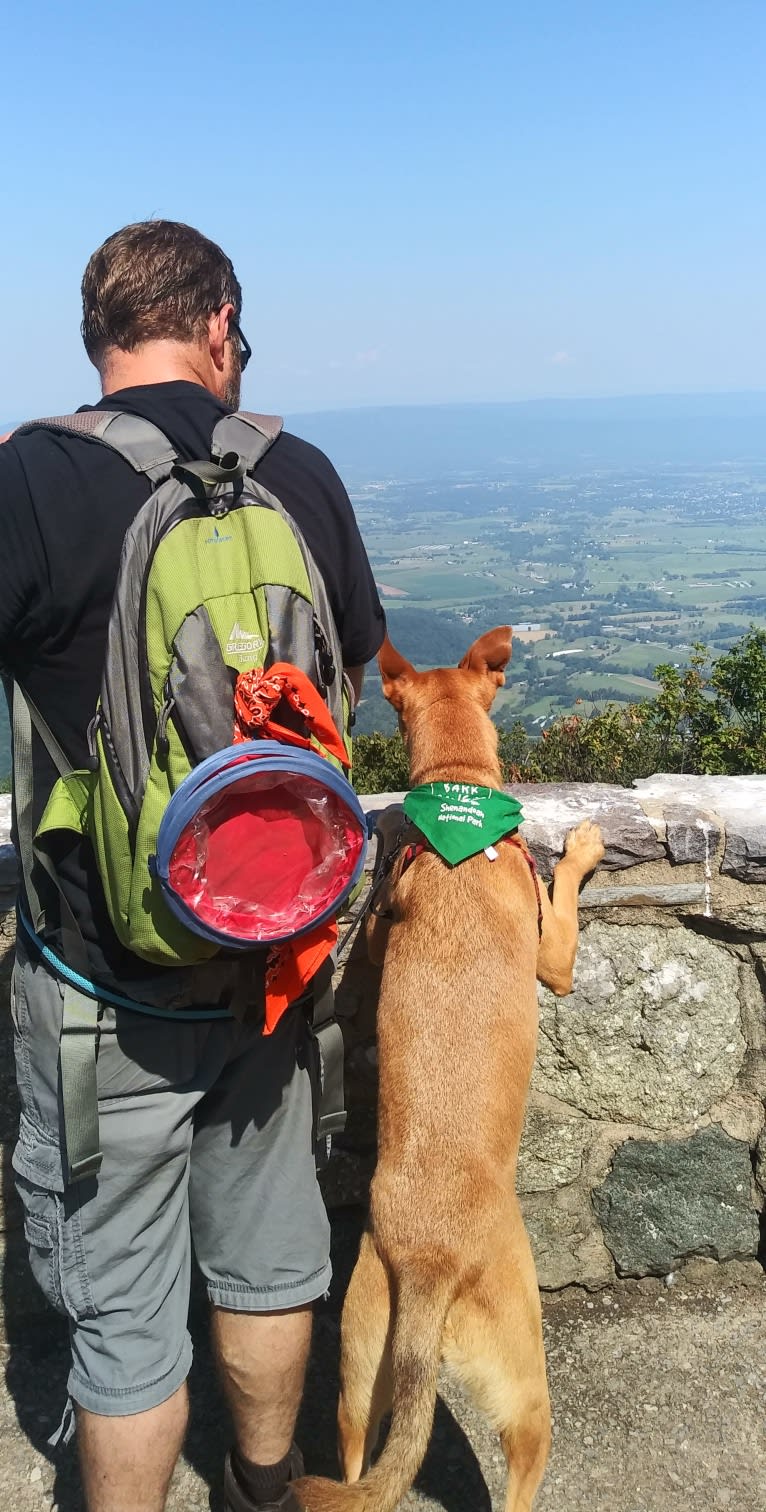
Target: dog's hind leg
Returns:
[493, 1343]
[583, 849]
[365, 1371]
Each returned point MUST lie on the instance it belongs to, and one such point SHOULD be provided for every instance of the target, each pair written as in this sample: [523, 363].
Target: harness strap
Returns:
[330, 1113]
[79, 1091]
[140, 443]
[531, 863]
[382, 867]
[23, 797]
[250, 436]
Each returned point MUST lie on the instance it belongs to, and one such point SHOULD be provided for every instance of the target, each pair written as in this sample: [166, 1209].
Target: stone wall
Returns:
[645, 1139]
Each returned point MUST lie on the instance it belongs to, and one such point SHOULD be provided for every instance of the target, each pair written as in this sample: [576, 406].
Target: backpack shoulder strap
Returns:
[250, 436]
[138, 441]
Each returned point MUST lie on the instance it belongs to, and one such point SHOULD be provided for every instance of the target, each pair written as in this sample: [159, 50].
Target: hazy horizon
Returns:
[428, 440]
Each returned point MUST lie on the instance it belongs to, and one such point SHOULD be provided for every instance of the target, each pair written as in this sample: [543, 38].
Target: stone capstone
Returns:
[738, 802]
[662, 1202]
[553, 808]
[651, 1032]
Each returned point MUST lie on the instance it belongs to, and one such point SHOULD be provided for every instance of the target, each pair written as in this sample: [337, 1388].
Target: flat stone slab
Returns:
[681, 895]
[553, 808]
[738, 802]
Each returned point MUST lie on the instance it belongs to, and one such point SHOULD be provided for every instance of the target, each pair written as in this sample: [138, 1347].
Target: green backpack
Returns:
[215, 578]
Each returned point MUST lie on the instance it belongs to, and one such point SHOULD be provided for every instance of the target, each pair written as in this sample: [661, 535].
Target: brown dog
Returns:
[445, 1269]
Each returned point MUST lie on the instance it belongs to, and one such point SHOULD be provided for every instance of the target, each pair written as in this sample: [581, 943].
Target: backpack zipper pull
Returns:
[93, 728]
[162, 742]
[325, 666]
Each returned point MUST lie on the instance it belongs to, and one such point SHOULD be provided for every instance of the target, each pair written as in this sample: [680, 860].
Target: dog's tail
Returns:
[423, 1303]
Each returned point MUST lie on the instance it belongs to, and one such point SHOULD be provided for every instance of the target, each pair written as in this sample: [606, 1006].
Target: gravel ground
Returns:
[658, 1396]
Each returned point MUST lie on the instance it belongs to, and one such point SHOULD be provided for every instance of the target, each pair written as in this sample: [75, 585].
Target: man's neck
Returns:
[156, 362]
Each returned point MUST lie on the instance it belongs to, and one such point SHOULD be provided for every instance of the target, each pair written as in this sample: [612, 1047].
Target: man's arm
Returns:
[23, 563]
[355, 676]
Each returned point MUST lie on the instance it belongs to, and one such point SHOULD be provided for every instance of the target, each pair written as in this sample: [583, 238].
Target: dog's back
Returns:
[458, 1014]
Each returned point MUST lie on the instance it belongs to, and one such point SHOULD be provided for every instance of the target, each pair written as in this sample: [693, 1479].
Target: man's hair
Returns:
[152, 281]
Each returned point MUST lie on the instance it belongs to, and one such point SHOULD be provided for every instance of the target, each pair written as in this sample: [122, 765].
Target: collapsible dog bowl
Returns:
[261, 842]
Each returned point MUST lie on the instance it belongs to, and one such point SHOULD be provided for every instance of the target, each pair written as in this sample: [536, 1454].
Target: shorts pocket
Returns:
[52, 1225]
[41, 1233]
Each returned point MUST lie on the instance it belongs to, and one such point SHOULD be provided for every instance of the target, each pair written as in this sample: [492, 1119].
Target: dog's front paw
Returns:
[585, 845]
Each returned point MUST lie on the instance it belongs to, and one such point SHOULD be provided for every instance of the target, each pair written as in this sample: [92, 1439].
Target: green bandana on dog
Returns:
[460, 819]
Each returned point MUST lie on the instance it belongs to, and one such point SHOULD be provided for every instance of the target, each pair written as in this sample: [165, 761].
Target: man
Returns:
[205, 1126]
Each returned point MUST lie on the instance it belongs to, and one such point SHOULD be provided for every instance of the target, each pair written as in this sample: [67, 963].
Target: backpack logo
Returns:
[244, 643]
[216, 539]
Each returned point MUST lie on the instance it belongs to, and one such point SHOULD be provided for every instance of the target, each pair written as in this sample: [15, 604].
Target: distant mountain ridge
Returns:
[429, 440]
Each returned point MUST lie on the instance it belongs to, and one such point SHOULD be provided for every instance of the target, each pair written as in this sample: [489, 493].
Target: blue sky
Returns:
[424, 201]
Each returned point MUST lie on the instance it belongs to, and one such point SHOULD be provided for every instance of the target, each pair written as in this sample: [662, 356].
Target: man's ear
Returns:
[217, 334]
[490, 654]
[396, 673]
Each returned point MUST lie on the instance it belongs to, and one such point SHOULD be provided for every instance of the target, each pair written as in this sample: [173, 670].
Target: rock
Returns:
[691, 836]
[665, 1202]
[739, 803]
[567, 1246]
[680, 895]
[651, 1032]
[553, 808]
[740, 1115]
[760, 1164]
[727, 1273]
[551, 1151]
[345, 1182]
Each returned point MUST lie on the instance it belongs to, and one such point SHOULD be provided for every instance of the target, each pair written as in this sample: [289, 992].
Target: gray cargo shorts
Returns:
[207, 1139]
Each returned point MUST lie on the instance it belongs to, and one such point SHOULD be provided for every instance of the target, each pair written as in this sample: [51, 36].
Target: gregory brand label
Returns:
[247, 644]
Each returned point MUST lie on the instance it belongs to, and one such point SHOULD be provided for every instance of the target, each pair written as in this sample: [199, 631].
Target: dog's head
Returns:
[443, 714]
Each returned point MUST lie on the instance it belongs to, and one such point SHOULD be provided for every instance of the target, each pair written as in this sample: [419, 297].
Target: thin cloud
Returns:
[560, 359]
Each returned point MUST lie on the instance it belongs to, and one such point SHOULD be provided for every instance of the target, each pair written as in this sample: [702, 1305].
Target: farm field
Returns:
[607, 574]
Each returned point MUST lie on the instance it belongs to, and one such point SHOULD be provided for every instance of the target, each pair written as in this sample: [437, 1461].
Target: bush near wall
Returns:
[708, 718]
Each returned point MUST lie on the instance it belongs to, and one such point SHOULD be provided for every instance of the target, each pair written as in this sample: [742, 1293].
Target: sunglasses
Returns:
[245, 349]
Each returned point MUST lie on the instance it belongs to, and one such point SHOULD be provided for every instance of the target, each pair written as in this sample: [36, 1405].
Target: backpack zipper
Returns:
[122, 791]
[189, 510]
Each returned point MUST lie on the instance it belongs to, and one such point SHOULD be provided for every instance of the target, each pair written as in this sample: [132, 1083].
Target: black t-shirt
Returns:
[66, 505]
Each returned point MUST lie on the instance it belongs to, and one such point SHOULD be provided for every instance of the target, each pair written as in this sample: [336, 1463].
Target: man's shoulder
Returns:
[292, 451]
[20, 444]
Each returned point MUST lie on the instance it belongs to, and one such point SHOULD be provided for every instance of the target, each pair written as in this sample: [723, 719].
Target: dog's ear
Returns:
[396, 673]
[490, 654]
